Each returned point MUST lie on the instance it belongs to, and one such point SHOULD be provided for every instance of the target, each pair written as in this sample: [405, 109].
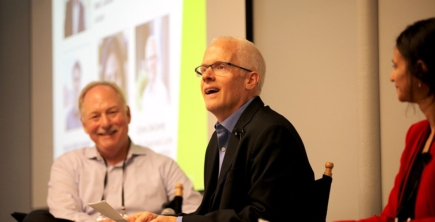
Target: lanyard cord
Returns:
[122, 192]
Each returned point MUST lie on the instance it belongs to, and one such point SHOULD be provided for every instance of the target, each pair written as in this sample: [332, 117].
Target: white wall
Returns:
[310, 52]
[311, 49]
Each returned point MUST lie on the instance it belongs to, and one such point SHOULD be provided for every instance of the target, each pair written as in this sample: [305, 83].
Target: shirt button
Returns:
[223, 149]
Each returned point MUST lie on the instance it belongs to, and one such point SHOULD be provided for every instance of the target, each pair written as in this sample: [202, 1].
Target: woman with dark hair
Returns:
[413, 195]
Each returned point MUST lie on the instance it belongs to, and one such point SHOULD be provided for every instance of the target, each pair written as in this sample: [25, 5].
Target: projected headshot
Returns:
[157, 115]
[113, 60]
[73, 113]
[74, 17]
[152, 65]
[155, 91]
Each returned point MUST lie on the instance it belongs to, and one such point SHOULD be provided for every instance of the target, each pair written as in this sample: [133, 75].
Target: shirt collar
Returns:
[231, 121]
[134, 150]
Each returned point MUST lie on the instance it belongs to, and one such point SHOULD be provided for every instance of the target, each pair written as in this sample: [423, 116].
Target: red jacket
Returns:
[425, 202]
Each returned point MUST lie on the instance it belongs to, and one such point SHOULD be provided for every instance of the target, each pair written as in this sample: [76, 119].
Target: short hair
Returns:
[417, 43]
[248, 55]
[101, 83]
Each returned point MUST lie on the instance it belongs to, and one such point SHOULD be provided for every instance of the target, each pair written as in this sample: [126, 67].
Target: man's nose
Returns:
[208, 73]
[105, 121]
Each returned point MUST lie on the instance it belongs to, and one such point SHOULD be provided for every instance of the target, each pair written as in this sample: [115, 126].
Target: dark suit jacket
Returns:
[265, 173]
[69, 18]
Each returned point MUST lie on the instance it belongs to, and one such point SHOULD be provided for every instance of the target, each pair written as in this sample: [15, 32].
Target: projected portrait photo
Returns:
[71, 97]
[141, 46]
[77, 70]
[74, 17]
[113, 60]
[152, 92]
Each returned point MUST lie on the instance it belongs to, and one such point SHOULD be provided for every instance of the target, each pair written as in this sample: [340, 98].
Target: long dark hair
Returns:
[417, 43]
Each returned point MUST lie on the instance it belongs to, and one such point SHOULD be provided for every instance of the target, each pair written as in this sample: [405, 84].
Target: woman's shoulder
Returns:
[422, 124]
[417, 129]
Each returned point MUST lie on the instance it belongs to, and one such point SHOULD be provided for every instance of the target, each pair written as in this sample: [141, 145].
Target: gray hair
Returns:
[99, 83]
[248, 55]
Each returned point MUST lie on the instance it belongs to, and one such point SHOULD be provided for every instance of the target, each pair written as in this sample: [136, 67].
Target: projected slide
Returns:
[135, 43]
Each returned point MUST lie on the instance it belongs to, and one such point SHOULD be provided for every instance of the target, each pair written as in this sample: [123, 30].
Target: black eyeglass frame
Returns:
[211, 66]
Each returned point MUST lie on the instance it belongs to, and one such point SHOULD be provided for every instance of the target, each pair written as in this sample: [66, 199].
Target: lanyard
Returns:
[122, 193]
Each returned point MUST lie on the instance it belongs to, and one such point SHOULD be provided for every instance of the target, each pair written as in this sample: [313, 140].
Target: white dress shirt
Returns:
[77, 178]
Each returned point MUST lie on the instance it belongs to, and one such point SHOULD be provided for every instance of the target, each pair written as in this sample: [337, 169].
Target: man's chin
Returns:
[107, 142]
[108, 149]
[210, 106]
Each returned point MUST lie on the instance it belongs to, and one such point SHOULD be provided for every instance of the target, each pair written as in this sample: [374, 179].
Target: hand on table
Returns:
[141, 217]
[165, 219]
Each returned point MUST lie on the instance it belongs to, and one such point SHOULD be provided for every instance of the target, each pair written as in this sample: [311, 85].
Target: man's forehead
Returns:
[89, 108]
[219, 53]
[225, 45]
[102, 94]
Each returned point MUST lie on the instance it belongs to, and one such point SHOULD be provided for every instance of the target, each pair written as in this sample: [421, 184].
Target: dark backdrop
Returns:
[15, 162]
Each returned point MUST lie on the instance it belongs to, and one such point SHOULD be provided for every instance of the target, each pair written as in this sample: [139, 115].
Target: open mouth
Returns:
[211, 91]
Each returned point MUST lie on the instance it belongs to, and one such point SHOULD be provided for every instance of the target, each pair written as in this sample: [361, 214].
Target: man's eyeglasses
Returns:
[218, 68]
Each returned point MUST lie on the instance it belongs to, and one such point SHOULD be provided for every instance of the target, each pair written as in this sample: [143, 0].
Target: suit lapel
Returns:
[211, 169]
[234, 142]
[232, 147]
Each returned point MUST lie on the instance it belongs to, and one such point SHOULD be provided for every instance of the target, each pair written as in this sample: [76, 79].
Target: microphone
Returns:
[239, 133]
[168, 212]
[174, 207]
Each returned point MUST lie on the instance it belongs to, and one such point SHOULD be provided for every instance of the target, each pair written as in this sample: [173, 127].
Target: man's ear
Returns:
[252, 80]
[128, 114]
[84, 125]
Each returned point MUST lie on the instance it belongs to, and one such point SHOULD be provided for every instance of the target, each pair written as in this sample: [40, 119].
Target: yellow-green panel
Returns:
[192, 140]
